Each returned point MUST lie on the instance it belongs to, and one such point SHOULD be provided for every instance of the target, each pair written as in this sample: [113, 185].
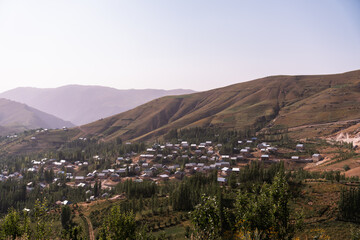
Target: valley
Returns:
[162, 161]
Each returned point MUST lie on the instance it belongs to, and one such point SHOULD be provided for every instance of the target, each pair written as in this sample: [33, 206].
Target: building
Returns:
[316, 157]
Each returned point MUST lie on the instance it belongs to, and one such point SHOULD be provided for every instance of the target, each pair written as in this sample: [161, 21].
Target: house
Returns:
[121, 172]
[81, 185]
[299, 147]
[217, 165]
[115, 177]
[225, 171]
[173, 167]
[70, 168]
[158, 165]
[206, 168]
[150, 150]
[225, 164]
[263, 145]
[245, 152]
[198, 152]
[265, 157]
[210, 152]
[146, 156]
[316, 157]
[190, 165]
[222, 181]
[89, 177]
[295, 158]
[271, 149]
[148, 173]
[184, 144]
[169, 145]
[79, 179]
[101, 175]
[236, 170]
[164, 177]
[179, 175]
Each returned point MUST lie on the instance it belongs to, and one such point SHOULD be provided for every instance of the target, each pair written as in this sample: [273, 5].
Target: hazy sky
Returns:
[196, 44]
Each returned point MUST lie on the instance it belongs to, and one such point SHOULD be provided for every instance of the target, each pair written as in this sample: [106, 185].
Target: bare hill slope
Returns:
[277, 100]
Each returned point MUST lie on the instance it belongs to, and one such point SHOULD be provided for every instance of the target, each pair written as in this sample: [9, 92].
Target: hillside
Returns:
[85, 104]
[17, 117]
[289, 101]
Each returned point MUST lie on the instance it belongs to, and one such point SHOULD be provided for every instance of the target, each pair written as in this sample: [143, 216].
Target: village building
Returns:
[316, 157]
[299, 147]
[179, 175]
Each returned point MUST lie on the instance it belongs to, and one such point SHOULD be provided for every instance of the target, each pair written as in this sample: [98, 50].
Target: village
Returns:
[158, 163]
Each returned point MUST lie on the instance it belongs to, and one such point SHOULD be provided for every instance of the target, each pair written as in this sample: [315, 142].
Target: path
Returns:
[91, 230]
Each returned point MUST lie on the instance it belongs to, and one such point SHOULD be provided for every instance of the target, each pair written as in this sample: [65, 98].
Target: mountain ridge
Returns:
[83, 104]
[16, 117]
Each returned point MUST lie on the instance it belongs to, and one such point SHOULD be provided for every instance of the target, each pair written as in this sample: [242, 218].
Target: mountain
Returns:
[17, 117]
[85, 104]
[287, 101]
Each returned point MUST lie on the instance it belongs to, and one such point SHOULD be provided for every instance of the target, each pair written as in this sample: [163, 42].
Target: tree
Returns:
[206, 218]
[11, 225]
[279, 193]
[267, 212]
[43, 226]
[118, 225]
[66, 217]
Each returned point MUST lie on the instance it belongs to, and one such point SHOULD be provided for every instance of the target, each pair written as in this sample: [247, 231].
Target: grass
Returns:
[319, 204]
[175, 232]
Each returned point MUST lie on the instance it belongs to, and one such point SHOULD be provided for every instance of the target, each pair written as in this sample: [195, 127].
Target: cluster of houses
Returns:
[4, 175]
[162, 163]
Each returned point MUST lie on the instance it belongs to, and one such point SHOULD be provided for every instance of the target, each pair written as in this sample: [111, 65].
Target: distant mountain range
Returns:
[289, 101]
[85, 104]
[16, 117]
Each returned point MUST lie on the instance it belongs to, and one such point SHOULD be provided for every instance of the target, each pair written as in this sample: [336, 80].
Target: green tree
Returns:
[66, 217]
[42, 224]
[206, 218]
[279, 193]
[11, 225]
[118, 225]
[267, 211]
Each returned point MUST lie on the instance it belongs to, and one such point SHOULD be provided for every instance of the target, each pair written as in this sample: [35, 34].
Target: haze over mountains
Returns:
[289, 101]
[85, 104]
[17, 117]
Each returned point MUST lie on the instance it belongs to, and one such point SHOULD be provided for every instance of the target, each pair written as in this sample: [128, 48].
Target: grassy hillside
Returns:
[278, 100]
[17, 117]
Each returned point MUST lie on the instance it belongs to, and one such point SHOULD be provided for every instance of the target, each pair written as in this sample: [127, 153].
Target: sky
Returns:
[190, 44]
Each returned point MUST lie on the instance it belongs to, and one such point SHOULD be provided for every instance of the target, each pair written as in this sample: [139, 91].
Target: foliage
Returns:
[42, 224]
[206, 218]
[118, 225]
[266, 210]
[349, 204]
[66, 217]
[11, 225]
